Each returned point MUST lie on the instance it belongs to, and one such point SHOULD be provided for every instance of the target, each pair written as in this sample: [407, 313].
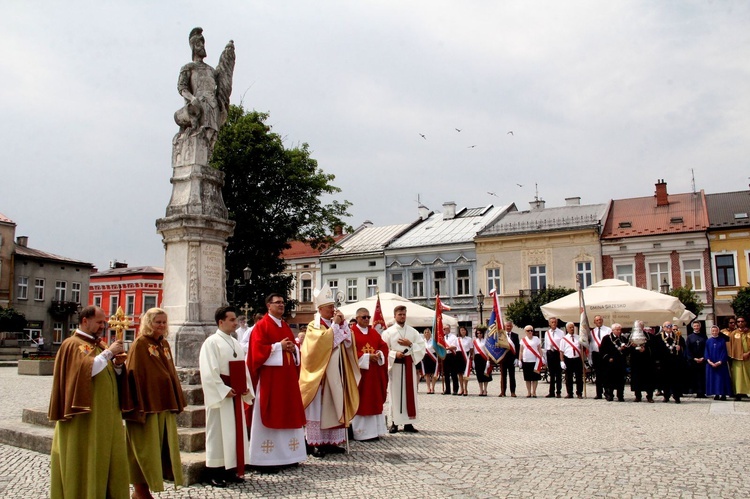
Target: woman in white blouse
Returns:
[429, 362]
[532, 360]
[465, 359]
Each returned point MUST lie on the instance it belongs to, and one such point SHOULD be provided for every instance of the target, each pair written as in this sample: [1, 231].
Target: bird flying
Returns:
[458, 129]
[422, 135]
[471, 147]
[509, 133]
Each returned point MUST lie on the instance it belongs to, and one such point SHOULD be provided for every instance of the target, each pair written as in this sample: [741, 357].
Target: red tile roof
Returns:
[641, 217]
[301, 249]
[5, 219]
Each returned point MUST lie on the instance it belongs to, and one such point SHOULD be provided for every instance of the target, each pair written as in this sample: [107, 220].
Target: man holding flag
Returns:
[496, 345]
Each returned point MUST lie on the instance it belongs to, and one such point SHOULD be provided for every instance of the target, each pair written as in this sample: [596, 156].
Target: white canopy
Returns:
[618, 301]
[416, 315]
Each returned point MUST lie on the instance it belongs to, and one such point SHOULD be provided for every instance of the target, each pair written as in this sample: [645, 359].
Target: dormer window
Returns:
[626, 225]
[738, 216]
[676, 220]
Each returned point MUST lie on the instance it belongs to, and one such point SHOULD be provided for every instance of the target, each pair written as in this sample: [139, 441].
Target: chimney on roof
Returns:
[424, 212]
[575, 201]
[114, 264]
[662, 198]
[338, 230]
[22, 241]
[449, 210]
[537, 204]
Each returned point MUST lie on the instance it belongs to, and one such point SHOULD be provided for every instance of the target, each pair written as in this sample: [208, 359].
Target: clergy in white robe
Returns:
[328, 377]
[406, 349]
[215, 354]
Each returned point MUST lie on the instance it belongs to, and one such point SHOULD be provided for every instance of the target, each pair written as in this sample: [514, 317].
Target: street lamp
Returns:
[480, 301]
[664, 287]
[247, 273]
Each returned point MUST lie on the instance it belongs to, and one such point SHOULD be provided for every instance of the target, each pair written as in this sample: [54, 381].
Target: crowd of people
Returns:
[271, 398]
[656, 363]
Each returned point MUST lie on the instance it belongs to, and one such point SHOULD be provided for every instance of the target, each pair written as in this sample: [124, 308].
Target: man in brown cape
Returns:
[88, 457]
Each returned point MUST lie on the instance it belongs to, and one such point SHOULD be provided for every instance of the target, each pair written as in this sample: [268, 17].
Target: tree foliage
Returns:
[274, 195]
[741, 303]
[523, 312]
[11, 320]
[689, 298]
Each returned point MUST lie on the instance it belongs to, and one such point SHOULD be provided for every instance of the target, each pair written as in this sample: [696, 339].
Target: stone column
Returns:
[195, 232]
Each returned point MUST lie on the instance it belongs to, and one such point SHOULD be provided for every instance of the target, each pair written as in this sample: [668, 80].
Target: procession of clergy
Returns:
[270, 400]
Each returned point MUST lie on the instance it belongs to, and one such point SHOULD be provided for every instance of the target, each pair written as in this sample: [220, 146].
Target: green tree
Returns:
[11, 320]
[274, 195]
[689, 298]
[523, 312]
[741, 303]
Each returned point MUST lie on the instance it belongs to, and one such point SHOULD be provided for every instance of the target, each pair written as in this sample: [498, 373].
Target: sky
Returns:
[602, 98]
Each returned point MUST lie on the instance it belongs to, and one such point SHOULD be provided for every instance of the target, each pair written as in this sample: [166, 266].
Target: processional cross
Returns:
[119, 322]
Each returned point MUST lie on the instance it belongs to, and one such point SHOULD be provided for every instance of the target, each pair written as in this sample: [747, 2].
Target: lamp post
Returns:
[480, 302]
[247, 273]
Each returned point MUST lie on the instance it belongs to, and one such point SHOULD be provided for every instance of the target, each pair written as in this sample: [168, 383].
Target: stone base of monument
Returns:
[35, 431]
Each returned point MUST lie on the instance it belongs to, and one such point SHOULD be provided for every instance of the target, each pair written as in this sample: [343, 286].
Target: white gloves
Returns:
[518, 363]
[562, 365]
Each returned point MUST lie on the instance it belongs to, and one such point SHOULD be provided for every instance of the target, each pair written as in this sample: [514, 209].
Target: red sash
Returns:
[411, 408]
[467, 370]
[552, 340]
[238, 382]
[539, 359]
[478, 349]
[596, 339]
[511, 344]
[572, 345]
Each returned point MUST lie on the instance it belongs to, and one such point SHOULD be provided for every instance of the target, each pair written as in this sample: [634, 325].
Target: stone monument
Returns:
[196, 226]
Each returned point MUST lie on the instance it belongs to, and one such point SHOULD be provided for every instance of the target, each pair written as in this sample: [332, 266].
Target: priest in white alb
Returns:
[222, 437]
[406, 349]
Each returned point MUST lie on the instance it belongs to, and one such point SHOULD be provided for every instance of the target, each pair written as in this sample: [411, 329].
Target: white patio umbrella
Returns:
[416, 315]
[618, 301]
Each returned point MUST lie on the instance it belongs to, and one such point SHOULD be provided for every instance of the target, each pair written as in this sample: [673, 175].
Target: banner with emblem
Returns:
[378, 321]
[437, 328]
[496, 339]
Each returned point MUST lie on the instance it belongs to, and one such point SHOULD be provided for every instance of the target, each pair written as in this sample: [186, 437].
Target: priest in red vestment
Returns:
[277, 436]
[369, 423]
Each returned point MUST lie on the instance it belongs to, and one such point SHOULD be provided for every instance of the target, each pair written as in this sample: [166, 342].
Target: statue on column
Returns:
[206, 92]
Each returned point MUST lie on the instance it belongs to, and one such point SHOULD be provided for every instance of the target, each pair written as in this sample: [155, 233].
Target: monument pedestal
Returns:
[195, 232]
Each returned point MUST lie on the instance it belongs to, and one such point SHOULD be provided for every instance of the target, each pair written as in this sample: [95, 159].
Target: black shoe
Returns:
[609, 399]
[559, 396]
[233, 478]
[724, 398]
[666, 399]
[700, 396]
[676, 400]
[318, 452]
[569, 396]
[410, 429]
[737, 398]
[650, 399]
[217, 482]
[620, 399]
[716, 397]
[598, 397]
[638, 398]
[393, 429]
[550, 396]
[333, 449]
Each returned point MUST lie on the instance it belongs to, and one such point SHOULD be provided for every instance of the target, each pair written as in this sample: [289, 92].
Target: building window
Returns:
[372, 286]
[23, 288]
[130, 305]
[39, 289]
[98, 301]
[692, 275]
[113, 301]
[57, 332]
[149, 302]
[417, 284]
[397, 284]
[494, 280]
[625, 273]
[440, 285]
[334, 285]
[61, 288]
[371, 263]
[75, 292]
[306, 290]
[585, 274]
[725, 275]
[129, 336]
[537, 277]
[463, 282]
[332, 266]
[351, 290]
[658, 272]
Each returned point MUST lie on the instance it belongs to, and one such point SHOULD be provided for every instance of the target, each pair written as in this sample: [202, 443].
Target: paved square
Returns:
[484, 447]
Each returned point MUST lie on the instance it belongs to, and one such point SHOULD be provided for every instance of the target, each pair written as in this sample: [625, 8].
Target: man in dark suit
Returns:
[508, 364]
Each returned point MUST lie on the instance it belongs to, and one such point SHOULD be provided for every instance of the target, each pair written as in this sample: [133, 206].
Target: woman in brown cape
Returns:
[153, 447]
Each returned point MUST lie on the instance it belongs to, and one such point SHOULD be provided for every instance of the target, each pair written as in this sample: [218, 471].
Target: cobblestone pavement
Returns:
[484, 447]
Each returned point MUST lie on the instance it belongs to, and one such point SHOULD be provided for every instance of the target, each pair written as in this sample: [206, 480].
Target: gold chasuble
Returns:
[336, 369]
[88, 458]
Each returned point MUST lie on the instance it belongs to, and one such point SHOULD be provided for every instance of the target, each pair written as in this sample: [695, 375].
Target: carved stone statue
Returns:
[206, 92]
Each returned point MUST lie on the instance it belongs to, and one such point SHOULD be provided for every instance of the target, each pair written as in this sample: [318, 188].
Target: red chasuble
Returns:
[280, 401]
[373, 385]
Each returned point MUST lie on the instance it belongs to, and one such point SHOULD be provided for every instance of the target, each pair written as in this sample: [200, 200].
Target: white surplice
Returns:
[396, 386]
